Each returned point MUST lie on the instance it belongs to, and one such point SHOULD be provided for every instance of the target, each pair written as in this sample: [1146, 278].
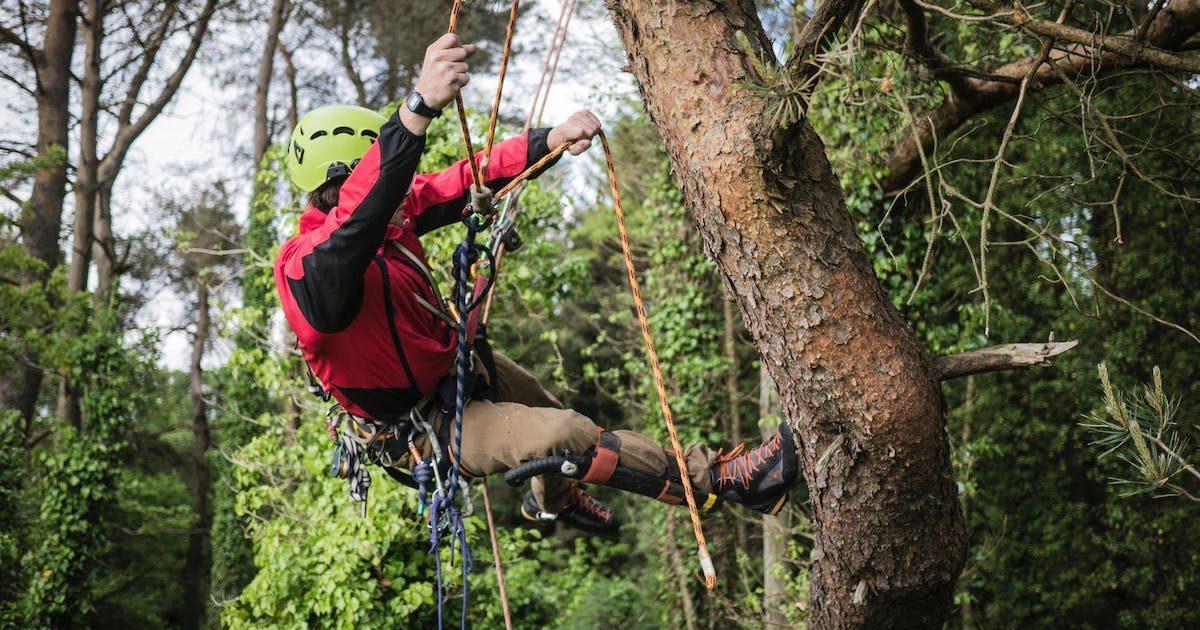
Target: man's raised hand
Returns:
[445, 70]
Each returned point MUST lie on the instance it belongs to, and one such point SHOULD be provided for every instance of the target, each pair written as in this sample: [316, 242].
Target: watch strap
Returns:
[416, 104]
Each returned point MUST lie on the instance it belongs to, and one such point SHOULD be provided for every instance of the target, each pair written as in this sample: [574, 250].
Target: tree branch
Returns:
[150, 51]
[1171, 28]
[1124, 44]
[917, 43]
[995, 358]
[10, 36]
[816, 35]
[129, 132]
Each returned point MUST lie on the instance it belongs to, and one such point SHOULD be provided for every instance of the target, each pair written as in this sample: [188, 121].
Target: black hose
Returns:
[552, 465]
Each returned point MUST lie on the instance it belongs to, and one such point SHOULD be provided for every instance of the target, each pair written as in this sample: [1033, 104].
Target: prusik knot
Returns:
[482, 201]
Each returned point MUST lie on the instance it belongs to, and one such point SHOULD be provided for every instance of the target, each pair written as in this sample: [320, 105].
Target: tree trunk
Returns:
[775, 528]
[680, 573]
[39, 227]
[854, 382]
[262, 83]
[195, 570]
[86, 171]
[86, 188]
[104, 243]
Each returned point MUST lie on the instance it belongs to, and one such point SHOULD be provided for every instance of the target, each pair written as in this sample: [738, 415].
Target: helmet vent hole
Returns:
[340, 131]
[318, 134]
[368, 133]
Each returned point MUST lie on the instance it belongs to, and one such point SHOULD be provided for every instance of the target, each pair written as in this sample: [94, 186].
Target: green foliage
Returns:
[1144, 435]
[13, 522]
[79, 479]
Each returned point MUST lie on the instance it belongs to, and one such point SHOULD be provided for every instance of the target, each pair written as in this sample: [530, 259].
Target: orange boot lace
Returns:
[579, 500]
[737, 467]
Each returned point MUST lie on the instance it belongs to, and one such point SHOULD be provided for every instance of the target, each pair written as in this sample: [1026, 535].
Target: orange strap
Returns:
[706, 564]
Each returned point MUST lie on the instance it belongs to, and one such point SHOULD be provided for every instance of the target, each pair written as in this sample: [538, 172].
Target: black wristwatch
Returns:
[416, 104]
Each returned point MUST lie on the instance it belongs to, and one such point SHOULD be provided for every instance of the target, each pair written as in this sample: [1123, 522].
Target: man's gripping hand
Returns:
[579, 130]
[444, 71]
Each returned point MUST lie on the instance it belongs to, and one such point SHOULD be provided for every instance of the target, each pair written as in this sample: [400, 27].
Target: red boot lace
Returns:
[737, 467]
[579, 500]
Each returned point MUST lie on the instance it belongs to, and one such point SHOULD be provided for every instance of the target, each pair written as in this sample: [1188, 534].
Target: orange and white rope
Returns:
[706, 563]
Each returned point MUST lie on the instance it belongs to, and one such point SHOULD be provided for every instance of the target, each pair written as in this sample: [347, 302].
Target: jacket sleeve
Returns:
[325, 269]
[438, 199]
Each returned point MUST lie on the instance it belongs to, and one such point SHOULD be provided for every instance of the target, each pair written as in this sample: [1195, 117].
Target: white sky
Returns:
[204, 134]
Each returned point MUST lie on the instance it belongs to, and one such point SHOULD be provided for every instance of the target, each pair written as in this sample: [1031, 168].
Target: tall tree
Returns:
[207, 237]
[50, 64]
[854, 381]
[131, 61]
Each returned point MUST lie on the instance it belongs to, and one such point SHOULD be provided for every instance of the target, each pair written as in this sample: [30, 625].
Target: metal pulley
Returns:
[511, 240]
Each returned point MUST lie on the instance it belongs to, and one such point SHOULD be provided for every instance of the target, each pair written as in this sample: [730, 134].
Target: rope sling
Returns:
[449, 502]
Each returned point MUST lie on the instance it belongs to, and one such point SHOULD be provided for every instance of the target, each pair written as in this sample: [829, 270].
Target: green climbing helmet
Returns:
[329, 136]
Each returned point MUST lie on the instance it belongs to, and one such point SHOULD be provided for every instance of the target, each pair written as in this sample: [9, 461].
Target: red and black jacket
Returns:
[353, 298]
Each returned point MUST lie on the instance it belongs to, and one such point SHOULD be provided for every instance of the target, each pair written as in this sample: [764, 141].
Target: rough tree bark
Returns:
[195, 569]
[854, 382]
[51, 64]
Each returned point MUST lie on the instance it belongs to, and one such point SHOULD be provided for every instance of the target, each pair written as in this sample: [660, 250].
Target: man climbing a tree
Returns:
[377, 333]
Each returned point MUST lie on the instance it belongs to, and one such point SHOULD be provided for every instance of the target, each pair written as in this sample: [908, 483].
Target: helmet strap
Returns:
[339, 169]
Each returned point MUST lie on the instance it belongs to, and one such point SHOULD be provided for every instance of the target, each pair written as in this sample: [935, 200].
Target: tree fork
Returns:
[854, 382]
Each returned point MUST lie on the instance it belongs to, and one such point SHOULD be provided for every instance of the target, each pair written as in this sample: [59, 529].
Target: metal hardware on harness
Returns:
[420, 424]
[347, 463]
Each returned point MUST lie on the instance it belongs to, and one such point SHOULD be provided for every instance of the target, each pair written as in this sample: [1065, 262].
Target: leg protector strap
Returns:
[660, 488]
[604, 455]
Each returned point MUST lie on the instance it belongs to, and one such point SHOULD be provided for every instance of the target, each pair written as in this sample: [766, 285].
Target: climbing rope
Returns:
[494, 118]
[706, 563]
[462, 109]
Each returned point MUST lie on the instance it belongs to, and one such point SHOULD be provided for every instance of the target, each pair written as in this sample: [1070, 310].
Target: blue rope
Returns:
[442, 502]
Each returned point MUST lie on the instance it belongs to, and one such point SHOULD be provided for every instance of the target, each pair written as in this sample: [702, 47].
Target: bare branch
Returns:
[1125, 44]
[129, 132]
[150, 52]
[1171, 29]
[995, 358]
[9, 36]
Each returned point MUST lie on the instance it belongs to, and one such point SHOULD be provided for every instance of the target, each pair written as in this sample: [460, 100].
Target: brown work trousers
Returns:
[527, 422]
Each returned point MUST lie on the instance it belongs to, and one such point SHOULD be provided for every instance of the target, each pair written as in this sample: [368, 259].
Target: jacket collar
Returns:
[312, 218]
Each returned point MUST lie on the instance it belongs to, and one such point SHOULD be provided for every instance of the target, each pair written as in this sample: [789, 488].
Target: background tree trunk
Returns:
[40, 226]
[86, 188]
[853, 380]
[196, 567]
[735, 399]
[262, 84]
[775, 528]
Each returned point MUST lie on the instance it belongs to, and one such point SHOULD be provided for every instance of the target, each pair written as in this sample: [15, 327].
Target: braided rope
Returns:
[706, 564]
[554, 68]
[462, 109]
[494, 118]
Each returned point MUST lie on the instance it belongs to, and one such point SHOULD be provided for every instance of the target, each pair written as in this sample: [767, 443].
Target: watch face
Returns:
[414, 101]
